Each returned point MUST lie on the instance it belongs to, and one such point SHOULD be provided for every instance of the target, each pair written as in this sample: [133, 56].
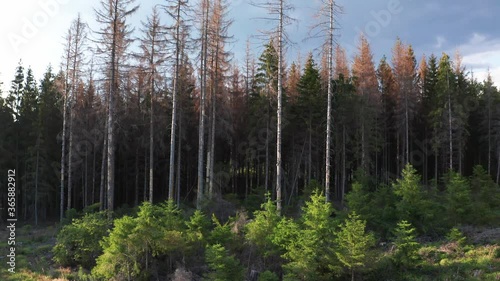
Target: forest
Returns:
[150, 154]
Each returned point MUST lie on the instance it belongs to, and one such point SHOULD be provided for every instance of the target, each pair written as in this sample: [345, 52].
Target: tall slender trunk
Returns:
[344, 178]
[111, 112]
[450, 128]
[212, 130]
[211, 145]
[70, 155]
[102, 204]
[280, 110]
[201, 132]
[145, 185]
[266, 181]
[498, 167]
[92, 198]
[489, 131]
[137, 172]
[329, 120]
[174, 104]
[151, 143]
[85, 185]
[36, 179]
[179, 154]
[63, 158]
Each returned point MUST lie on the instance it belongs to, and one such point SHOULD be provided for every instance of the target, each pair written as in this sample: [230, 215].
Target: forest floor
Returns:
[33, 255]
[479, 260]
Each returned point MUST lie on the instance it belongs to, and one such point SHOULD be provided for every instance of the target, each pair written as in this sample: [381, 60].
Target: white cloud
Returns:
[481, 53]
[440, 40]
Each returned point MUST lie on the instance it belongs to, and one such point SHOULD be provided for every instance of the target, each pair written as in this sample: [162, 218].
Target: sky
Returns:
[33, 30]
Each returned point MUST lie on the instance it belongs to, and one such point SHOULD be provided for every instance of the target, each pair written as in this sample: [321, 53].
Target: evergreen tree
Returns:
[458, 199]
[406, 253]
[365, 81]
[353, 243]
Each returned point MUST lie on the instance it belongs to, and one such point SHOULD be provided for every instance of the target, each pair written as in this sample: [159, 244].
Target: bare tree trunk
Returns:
[63, 157]
[111, 111]
[174, 103]
[450, 128]
[145, 185]
[280, 110]
[103, 167]
[498, 167]
[329, 118]
[343, 163]
[266, 181]
[489, 130]
[151, 143]
[211, 133]
[137, 172]
[102, 205]
[179, 154]
[201, 132]
[85, 201]
[36, 179]
[92, 198]
[70, 155]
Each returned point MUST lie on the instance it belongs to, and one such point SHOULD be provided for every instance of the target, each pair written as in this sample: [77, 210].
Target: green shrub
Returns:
[222, 266]
[309, 245]
[353, 243]
[268, 276]
[135, 243]
[69, 215]
[458, 199]
[94, 208]
[457, 236]
[406, 254]
[261, 230]
[78, 242]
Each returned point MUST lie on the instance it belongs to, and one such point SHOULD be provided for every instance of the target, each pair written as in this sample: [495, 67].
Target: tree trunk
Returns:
[151, 143]
[280, 110]
[498, 167]
[344, 176]
[36, 180]
[92, 199]
[111, 111]
[145, 186]
[137, 172]
[63, 158]
[102, 205]
[179, 154]
[266, 180]
[201, 132]
[329, 120]
[174, 104]
[70, 155]
[450, 129]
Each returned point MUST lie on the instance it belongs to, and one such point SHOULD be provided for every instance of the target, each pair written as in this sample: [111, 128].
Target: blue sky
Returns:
[33, 30]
